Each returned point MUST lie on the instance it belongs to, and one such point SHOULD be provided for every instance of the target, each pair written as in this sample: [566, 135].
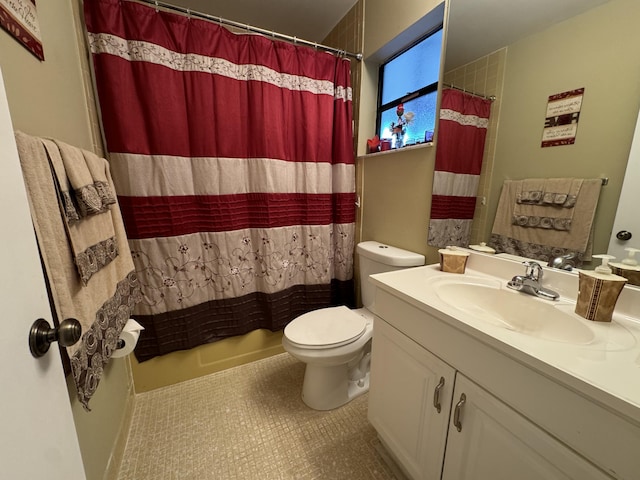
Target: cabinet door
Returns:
[497, 443]
[406, 384]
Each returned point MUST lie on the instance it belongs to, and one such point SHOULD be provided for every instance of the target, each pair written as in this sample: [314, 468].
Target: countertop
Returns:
[606, 370]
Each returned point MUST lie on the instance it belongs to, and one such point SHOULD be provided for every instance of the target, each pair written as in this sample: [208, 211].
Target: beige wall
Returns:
[50, 99]
[395, 186]
[599, 51]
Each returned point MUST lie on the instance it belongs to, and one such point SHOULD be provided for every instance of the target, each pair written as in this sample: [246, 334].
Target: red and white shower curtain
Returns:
[233, 162]
[462, 131]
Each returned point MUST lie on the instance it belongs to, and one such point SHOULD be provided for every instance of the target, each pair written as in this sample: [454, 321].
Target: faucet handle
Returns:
[534, 270]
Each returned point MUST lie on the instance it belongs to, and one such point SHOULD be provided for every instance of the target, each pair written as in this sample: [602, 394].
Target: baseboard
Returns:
[389, 460]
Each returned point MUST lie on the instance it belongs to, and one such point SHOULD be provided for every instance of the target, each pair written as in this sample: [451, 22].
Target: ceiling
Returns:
[476, 27]
[310, 20]
[479, 27]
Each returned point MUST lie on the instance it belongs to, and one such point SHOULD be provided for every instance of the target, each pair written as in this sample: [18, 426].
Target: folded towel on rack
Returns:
[531, 190]
[545, 243]
[559, 192]
[92, 240]
[106, 303]
[554, 210]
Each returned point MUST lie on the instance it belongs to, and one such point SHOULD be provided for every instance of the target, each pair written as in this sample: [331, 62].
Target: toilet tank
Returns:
[375, 257]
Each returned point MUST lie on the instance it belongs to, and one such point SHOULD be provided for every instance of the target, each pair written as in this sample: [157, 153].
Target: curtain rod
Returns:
[491, 98]
[244, 26]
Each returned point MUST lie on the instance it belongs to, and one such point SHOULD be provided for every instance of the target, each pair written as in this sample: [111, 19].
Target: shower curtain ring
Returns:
[295, 40]
[157, 9]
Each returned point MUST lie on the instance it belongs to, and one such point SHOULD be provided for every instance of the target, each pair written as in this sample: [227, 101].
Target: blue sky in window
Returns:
[416, 68]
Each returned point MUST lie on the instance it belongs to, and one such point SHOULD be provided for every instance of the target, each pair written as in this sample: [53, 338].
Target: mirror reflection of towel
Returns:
[559, 192]
[542, 242]
[554, 209]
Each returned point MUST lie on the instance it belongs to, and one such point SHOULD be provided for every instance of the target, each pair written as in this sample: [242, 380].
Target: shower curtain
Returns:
[232, 159]
[462, 130]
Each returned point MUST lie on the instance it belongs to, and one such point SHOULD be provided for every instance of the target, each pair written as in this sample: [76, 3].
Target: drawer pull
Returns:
[436, 395]
[458, 410]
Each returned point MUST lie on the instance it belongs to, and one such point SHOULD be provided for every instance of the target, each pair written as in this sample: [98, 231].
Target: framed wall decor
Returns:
[561, 121]
[20, 19]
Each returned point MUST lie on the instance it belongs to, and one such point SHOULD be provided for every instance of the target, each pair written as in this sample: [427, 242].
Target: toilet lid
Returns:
[327, 327]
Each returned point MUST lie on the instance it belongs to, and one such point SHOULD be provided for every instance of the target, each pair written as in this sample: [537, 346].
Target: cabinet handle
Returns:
[456, 413]
[436, 395]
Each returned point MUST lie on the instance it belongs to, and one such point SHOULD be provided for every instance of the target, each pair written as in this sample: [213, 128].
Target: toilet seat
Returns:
[326, 328]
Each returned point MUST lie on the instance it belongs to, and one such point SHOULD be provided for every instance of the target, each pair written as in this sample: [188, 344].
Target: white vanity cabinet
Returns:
[426, 413]
[522, 418]
[496, 442]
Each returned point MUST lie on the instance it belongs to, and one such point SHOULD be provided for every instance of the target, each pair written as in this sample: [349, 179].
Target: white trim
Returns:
[140, 51]
[468, 120]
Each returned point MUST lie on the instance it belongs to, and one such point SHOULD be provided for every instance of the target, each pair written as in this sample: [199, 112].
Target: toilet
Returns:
[335, 342]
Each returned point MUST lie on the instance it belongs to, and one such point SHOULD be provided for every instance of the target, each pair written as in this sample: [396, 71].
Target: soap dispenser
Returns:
[628, 267]
[630, 260]
[598, 291]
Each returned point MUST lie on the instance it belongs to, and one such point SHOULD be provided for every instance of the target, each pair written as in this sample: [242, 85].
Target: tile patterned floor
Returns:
[249, 423]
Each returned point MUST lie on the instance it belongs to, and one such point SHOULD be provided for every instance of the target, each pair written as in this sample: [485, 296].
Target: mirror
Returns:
[552, 49]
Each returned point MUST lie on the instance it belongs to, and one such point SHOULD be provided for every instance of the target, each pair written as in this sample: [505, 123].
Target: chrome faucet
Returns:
[564, 262]
[531, 282]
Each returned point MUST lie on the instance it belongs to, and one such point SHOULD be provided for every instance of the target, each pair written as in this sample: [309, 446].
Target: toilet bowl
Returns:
[335, 342]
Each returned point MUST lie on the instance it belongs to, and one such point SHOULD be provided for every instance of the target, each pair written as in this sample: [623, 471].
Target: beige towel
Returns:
[555, 208]
[530, 242]
[102, 307]
[531, 191]
[561, 192]
[92, 239]
[86, 174]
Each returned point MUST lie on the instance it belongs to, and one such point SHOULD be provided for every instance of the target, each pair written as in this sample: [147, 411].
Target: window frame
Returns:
[427, 89]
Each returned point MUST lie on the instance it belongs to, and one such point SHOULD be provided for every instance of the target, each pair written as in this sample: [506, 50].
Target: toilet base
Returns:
[326, 388]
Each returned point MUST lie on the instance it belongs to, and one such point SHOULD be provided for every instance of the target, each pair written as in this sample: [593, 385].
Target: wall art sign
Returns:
[20, 19]
[561, 122]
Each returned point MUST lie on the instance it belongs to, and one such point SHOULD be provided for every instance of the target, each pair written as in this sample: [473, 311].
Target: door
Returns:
[37, 434]
[497, 443]
[627, 218]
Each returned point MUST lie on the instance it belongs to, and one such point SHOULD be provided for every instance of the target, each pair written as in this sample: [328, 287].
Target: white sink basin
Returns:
[485, 299]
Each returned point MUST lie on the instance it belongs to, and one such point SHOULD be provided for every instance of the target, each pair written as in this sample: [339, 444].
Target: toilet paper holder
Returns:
[128, 339]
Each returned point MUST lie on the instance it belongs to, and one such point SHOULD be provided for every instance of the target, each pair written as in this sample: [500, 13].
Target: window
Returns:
[408, 93]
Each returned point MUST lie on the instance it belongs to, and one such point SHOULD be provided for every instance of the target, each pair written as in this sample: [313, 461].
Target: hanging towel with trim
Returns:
[105, 304]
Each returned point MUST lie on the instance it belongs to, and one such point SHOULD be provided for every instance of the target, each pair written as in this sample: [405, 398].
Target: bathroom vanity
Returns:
[471, 380]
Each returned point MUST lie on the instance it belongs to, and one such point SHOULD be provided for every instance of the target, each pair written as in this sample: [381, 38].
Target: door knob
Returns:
[623, 235]
[42, 335]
